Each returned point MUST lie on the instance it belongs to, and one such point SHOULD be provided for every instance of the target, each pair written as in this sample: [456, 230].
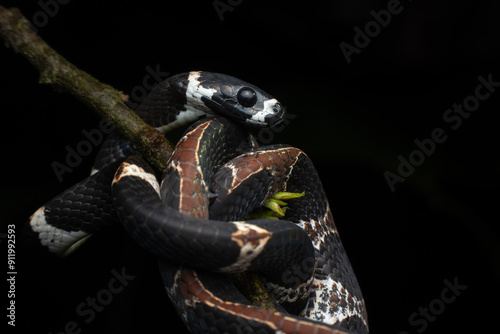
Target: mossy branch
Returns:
[63, 76]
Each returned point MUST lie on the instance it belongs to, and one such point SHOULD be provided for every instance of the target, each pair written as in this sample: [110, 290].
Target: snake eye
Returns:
[246, 97]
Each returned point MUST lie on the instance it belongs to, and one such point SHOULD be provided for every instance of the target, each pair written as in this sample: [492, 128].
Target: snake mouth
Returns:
[278, 116]
[270, 114]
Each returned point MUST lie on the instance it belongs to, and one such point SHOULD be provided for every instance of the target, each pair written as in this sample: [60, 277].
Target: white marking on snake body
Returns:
[260, 116]
[57, 240]
[202, 178]
[127, 169]
[331, 303]
[195, 91]
[187, 116]
[251, 239]
[195, 107]
[316, 231]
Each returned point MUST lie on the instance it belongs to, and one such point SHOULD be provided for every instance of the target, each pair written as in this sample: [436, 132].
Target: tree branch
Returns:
[63, 76]
[104, 100]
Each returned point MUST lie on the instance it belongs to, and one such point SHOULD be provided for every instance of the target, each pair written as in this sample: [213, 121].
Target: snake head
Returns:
[230, 97]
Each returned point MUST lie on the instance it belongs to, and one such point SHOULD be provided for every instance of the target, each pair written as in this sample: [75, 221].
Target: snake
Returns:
[193, 220]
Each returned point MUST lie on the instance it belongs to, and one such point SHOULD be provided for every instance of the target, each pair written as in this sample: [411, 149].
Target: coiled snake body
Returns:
[198, 243]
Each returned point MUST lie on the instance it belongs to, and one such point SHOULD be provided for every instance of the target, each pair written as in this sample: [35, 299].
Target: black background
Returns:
[354, 120]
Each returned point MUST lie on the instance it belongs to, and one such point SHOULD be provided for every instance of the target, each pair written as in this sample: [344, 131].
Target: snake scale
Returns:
[193, 220]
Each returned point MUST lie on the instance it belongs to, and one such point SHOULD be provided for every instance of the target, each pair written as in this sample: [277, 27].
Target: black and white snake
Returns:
[193, 220]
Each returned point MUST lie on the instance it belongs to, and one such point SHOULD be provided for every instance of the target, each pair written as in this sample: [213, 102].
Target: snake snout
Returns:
[276, 116]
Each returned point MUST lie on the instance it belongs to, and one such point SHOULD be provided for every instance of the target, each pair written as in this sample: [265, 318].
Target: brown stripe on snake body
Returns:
[279, 162]
[191, 177]
[194, 292]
